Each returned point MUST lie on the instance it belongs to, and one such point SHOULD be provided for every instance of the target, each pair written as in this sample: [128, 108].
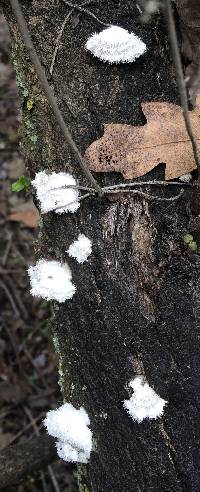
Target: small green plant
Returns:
[22, 183]
[29, 104]
[189, 242]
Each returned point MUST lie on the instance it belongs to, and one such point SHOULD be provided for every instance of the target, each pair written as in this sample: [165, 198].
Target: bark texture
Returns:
[136, 309]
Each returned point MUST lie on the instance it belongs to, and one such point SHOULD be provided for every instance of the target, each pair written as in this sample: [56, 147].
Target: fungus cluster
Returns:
[56, 192]
[144, 403]
[80, 249]
[51, 280]
[116, 45]
[71, 427]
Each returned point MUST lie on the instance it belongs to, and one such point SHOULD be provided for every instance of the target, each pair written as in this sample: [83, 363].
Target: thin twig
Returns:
[49, 93]
[31, 360]
[148, 183]
[22, 431]
[86, 11]
[180, 79]
[129, 185]
[12, 337]
[53, 479]
[111, 191]
[37, 433]
[33, 422]
[58, 41]
[71, 203]
[4, 287]
[147, 195]
[7, 250]
[75, 187]
[61, 33]
[17, 297]
[8, 272]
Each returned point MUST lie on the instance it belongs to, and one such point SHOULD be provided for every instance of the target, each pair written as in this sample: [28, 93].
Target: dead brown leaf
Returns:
[26, 213]
[5, 439]
[136, 150]
[11, 393]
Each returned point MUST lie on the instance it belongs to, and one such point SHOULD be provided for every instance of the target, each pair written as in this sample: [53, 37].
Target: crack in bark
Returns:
[172, 456]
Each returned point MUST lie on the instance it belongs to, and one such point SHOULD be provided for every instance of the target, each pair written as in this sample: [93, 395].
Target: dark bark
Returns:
[21, 460]
[189, 15]
[137, 302]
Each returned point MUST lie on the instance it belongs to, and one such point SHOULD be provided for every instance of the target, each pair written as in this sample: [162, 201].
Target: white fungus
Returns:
[186, 178]
[51, 280]
[144, 403]
[116, 45]
[80, 249]
[70, 427]
[53, 190]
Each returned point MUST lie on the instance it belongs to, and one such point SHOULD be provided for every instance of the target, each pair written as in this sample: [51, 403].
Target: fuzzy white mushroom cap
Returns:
[69, 453]
[116, 45]
[70, 427]
[51, 280]
[144, 403]
[52, 192]
[80, 249]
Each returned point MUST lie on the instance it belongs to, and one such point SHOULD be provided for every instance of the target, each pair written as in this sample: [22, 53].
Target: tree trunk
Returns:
[136, 308]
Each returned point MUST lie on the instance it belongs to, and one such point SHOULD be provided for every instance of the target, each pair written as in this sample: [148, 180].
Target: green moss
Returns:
[189, 242]
[29, 104]
[193, 246]
[188, 238]
[80, 477]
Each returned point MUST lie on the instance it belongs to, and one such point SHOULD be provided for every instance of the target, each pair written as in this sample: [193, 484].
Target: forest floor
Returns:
[28, 380]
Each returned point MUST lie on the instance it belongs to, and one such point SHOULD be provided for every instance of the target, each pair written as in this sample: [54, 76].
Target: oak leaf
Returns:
[136, 150]
[26, 213]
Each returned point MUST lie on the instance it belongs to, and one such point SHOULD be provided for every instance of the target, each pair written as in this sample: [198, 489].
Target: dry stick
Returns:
[75, 187]
[49, 94]
[134, 192]
[10, 297]
[61, 33]
[129, 185]
[148, 183]
[12, 337]
[37, 433]
[58, 41]
[86, 11]
[63, 206]
[7, 250]
[22, 431]
[147, 196]
[17, 297]
[180, 79]
[31, 360]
